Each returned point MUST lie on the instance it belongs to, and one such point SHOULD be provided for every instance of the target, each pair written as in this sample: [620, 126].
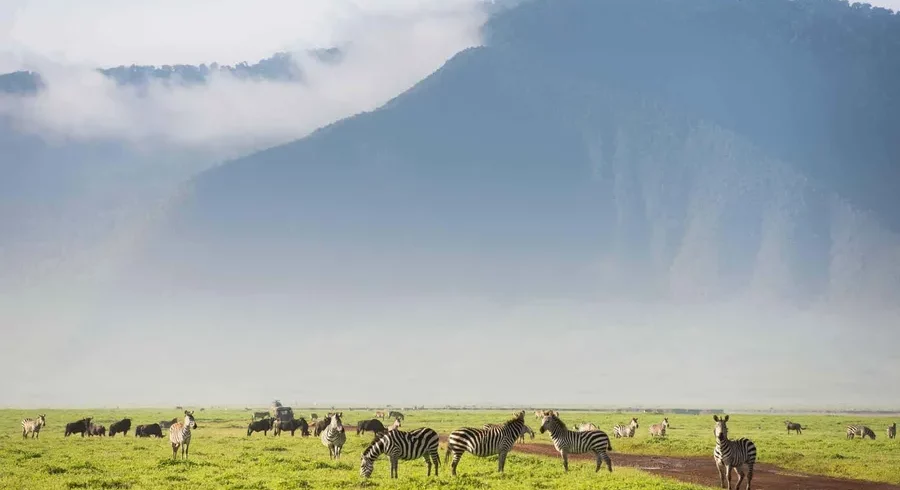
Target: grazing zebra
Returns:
[334, 437]
[180, 434]
[33, 426]
[396, 425]
[732, 454]
[859, 430]
[793, 426]
[397, 444]
[626, 430]
[584, 427]
[659, 430]
[484, 442]
[574, 442]
[892, 431]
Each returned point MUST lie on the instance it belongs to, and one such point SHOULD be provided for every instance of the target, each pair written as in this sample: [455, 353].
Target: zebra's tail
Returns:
[609, 446]
[447, 454]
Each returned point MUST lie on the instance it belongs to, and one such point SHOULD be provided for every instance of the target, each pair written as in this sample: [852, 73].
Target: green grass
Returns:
[222, 456]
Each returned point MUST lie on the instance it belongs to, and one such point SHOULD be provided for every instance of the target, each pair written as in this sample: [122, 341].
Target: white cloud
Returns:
[389, 47]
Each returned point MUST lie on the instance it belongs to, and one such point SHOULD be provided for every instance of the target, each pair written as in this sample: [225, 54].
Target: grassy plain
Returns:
[222, 456]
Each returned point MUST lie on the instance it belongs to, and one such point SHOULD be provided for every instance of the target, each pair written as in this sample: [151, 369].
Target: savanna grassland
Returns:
[222, 456]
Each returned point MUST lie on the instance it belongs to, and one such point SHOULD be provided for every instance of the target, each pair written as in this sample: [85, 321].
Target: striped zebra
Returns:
[525, 430]
[334, 437]
[732, 454]
[396, 425]
[859, 430]
[484, 442]
[397, 445]
[659, 430]
[180, 434]
[584, 427]
[793, 426]
[626, 430]
[33, 426]
[892, 431]
[574, 442]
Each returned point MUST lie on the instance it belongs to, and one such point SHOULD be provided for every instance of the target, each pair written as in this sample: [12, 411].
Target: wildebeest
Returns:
[373, 425]
[120, 427]
[165, 424]
[891, 430]
[291, 426]
[264, 426]
[96, 430]
[260, 415]
[793, 426]
[80, 426]
[395, 415]
[321, 425]
[33, 426]
[314, 417]
[148, 430]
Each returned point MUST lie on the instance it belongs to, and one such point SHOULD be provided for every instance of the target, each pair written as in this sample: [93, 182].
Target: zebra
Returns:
[793, 426]
[379, 415]
[574, 442]
[396, 425]
[859, 430]
[732, 454]
[395, 415]
[659, 429]
[334, 437]
[33, 426]
[525, 430]
[180, 434]
[892, 431]
[484, 442]
[584, 427]
[397, 445]
[626, 430]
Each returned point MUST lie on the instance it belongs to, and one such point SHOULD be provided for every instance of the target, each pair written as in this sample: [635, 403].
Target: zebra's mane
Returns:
[367, 452]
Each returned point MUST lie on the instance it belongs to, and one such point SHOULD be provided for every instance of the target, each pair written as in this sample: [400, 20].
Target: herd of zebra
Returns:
[489, 440]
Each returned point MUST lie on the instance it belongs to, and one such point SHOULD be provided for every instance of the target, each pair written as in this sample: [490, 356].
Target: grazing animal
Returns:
[659, 430]
[166, 424]
[396, 425]
[120, 427]
[373, 425]
[576, 442]
[321, 425]
[264, 426]
[793, 426]
[148, 430]
[260, 415]
[626, 430]
[732, 454]
[334, 437]
[585, 427]
[96, 430]
[180, 435]
[891, 430]
[484, 442]
[859, 430]
[80, 426]
[526, 430]
[397, 445]
[379, 415]
[33, 426]
[292, 426]
[395, 415]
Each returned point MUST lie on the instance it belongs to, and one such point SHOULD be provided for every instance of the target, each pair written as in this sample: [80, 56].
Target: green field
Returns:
[222, 456]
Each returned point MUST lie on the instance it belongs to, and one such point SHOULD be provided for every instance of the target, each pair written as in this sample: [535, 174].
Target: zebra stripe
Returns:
[574, 442]
[892, 431]
[396, 425]
[33, 426]
[626, 430]
[659, 430]
[525, 430]
[733, 454]
[484, 442]
[859, 430]
[334, 437]
[180, 435]
[397, 445]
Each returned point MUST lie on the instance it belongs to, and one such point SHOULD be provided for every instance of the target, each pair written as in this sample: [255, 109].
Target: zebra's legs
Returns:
[721, 467]
[174, 451]
[565, 458]
[749, 474]
[501, 462]
[436, 458]
[608, 461]
[428, 462]
[456, 458]
[728, 472]
[394, 464]
[740, 472]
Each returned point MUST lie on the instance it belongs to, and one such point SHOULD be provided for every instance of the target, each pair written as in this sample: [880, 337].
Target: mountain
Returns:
[641, 150]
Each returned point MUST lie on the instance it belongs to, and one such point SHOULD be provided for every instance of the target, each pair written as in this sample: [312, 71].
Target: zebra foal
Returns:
[859, 430]
[334, 437]
[180, 434]
[659, 430]
[33, 426]
[732, 454]
[576, 442]
[484, 442]
[397, 445]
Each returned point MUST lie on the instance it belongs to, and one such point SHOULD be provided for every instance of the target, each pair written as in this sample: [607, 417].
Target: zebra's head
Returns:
[549, 420]
[42, 419]
[721, 430]
[369, 455]
[336, 423]
[665, 421]
[634, 422]
[189, 419]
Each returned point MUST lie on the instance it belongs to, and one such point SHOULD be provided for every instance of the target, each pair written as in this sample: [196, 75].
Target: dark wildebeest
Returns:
[165, 424]
[148, 430]
[321, 425]
[291, 426]
[793, 426]
[264, 426]
[81, 426]
[96, 430]
[120, 427]
[373, 425]
[395, 415]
